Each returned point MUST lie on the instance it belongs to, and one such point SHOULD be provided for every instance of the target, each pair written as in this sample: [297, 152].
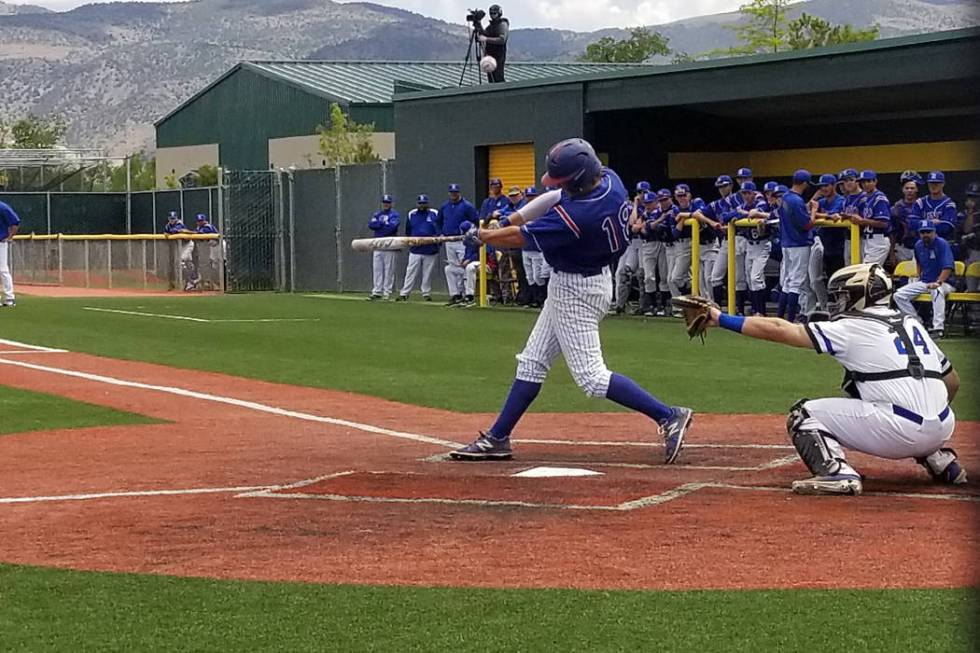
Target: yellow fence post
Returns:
[855, 244]
[483, 273]
[695, 256]
[731, 267]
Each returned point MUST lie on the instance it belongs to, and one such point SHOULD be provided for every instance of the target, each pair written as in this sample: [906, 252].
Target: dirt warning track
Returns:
[256, 480]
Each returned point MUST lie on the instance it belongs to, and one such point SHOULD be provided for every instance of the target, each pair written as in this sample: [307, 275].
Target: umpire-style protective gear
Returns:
[810, 443]
[571, 164]
[910, 175]
[858, 287]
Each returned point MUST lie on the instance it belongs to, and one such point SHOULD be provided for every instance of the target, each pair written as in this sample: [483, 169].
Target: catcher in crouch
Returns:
[900, 383]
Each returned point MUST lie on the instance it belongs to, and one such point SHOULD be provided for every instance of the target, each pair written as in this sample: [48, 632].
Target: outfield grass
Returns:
[23, 410]
[425, 354]
[54, 610]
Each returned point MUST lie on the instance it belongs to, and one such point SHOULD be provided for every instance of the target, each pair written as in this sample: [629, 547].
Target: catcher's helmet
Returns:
[910, 175]
[571, 164]
[858, 287]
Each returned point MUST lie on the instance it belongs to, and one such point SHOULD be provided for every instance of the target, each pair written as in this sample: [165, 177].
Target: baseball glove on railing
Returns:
[697, 313]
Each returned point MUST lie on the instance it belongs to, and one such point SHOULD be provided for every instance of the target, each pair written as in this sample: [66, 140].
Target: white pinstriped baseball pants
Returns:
[6, 279]
[569, 325]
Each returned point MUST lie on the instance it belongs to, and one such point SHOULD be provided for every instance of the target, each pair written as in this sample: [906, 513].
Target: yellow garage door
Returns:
[514, 164]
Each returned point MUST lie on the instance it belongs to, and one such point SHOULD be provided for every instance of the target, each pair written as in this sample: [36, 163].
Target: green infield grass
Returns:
[23, 410]
[57, 610]
[430, 355]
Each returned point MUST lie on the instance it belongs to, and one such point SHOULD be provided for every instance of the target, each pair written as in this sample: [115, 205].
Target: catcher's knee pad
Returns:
[796, 415]
[811, 443]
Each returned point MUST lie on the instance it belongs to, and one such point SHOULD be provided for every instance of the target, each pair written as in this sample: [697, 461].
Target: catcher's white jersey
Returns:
[865, 345]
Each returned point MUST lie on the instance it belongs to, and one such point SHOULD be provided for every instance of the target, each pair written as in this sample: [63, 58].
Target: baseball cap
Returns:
[453, 188]
[642, 185]
[827, 180]
[848, 172]
[770, 186]
[936, 177]
[664, 194]
[386, 199]
[747, 187]
[744, 172]
[172, 215]
[926, 225]
[649, 197]
[422, 199]
[802, 176]
[780, 190]
[496, 182]
[973, 189]
[200, 217]
[530, 191]
[723, 180]
[513, 190]
[867, 175]
[681, 189]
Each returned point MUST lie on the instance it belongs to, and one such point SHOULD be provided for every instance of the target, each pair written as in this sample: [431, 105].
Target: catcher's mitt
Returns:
[697, 313]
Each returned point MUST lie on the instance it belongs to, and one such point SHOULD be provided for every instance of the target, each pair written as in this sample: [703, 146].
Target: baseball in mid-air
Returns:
[488, 64]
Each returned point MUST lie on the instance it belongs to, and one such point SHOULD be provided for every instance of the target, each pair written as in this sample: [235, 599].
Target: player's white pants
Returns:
[720, 269]
[972, 283]
[427, 262]
[875, 248]
[795, 260]
[707, 257]
[817, 288]
[6, 279]
[653, 262]
[908, 292]
[454, 279]
[874, 428]
[536, 269]
[569, 325]
[903, 253]
[455, 251]
[628, 267]
[756, 256]
[384, 274]
[679, 265]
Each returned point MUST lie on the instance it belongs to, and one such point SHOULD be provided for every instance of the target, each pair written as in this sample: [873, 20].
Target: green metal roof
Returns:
[373, 82]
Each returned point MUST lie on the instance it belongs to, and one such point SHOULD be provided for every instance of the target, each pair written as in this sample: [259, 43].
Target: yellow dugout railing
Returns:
[71, 237]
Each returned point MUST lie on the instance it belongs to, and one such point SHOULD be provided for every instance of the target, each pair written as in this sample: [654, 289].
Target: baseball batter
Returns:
[900, 385]
[384, 223]
[581, 229]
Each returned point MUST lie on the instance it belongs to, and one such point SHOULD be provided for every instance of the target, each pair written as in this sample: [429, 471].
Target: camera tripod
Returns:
[474, 41]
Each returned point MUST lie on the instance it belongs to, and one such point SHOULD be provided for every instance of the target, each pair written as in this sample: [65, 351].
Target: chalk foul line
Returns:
[188, 318]
[240, 403]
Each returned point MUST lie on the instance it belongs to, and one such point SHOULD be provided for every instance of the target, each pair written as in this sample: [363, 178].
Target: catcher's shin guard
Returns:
[811, 444]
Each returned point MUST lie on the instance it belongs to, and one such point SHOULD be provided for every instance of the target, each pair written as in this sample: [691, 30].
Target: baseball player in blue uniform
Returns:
[936, 208]
[9, 224]
[721, 211]
[757, 245]
[795, 238]
[581, 229]
[875, 219]
[827, 254]
[934, 260]
[629, 262]
[905, 235]
[422, 221]
[536, 269]
[455, 211]
[464, 272]
[679, 252]
[212, 247]
[178, 250]
[384, 224]
[853, 195]
[495, 205]
[655, 232]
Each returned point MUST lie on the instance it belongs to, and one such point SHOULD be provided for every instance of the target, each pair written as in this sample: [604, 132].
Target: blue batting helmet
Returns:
[571, 164]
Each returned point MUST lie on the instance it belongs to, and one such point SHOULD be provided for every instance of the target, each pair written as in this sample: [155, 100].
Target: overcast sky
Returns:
[580, 15]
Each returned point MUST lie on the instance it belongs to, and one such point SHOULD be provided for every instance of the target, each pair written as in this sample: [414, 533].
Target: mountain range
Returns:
[111, 69]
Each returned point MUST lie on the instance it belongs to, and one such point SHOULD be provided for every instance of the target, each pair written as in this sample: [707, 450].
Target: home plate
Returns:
[550, 472]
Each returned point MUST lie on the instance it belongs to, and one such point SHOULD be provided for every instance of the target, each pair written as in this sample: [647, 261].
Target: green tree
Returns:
[640, 46]
[33, 132]
[813, 32]
[345, 141]
[142, 171]
[207, 175]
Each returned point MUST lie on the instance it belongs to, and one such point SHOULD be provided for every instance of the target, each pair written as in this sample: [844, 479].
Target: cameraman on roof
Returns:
[494, 40]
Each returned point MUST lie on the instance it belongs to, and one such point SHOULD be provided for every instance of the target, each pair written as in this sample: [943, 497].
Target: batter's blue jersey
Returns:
[582, 235]
[8, 219]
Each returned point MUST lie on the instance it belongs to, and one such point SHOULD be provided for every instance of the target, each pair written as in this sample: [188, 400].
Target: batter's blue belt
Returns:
[913, 416]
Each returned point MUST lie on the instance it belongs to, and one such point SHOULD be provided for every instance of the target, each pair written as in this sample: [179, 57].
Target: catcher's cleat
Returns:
[839, 484]
[950, 473]
[484, 447]
[673, 430]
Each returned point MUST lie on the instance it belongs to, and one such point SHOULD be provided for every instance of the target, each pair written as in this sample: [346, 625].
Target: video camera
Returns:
[475, 16]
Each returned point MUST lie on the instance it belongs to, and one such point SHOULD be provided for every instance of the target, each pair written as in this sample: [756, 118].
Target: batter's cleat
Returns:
[836, 484]
[673, 430]
[484, 447]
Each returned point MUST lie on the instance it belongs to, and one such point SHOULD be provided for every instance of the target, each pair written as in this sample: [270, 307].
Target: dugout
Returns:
[890, 105]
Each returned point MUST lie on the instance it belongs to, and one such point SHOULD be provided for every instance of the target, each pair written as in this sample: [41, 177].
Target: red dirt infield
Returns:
[321, 486]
